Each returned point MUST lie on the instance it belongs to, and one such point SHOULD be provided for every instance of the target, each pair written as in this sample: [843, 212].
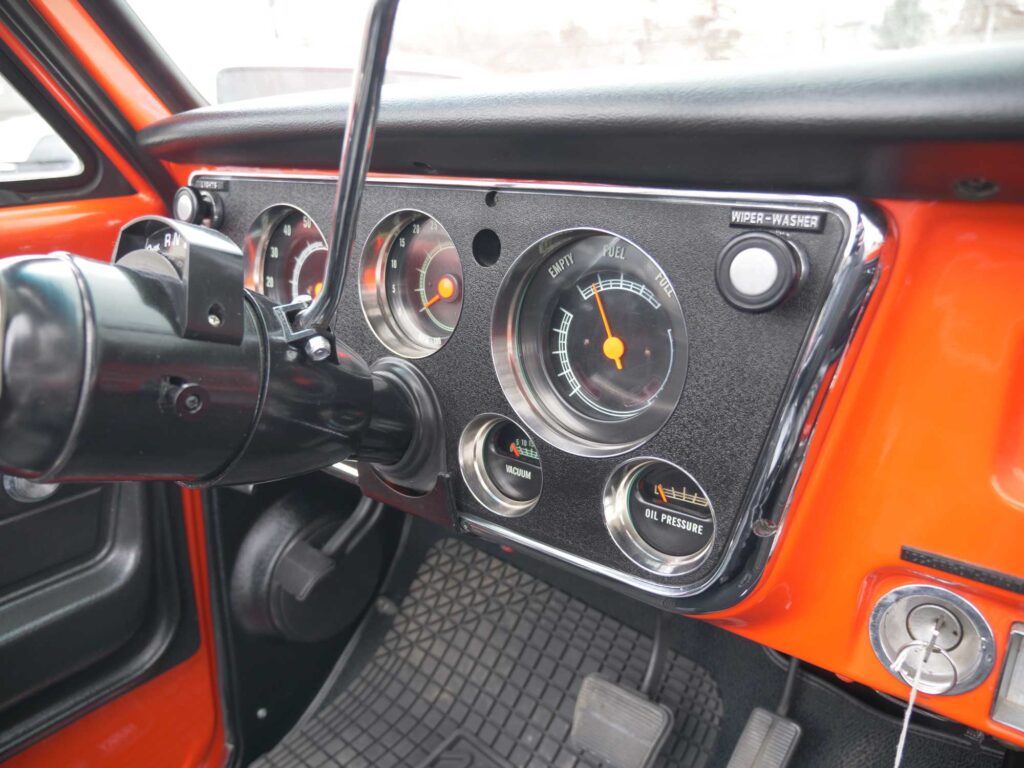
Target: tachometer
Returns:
[411, 283]
[589, 342]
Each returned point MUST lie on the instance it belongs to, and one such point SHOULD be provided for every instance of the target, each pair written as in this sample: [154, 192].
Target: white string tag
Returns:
[916, 682]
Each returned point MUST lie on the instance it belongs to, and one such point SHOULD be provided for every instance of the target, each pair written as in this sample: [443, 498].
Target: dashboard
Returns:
[627, 377]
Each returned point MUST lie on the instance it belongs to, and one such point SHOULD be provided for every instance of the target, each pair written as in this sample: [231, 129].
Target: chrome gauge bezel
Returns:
[255, 246]
[475, 475]
[373, 299]
[615, 502]
[526, 387]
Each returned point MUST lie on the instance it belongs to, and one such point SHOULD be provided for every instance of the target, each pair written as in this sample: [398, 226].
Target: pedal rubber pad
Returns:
[768, 741]
[618, 726]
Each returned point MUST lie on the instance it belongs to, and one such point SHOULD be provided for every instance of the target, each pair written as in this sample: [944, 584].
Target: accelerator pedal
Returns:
[768, 741]
[620, 727]
[769, 738]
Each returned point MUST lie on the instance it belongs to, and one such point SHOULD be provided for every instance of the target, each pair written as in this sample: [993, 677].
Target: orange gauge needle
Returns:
[661, 492]
[445, 290]
[515, 451]
[613, 347]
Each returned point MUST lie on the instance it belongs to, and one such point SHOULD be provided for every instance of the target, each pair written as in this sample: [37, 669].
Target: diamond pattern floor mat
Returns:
[480, 667]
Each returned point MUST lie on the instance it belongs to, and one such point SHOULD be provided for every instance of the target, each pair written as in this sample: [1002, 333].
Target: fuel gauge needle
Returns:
[613, 347]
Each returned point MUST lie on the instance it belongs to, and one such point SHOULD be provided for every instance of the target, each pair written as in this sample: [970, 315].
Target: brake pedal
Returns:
[618, 726]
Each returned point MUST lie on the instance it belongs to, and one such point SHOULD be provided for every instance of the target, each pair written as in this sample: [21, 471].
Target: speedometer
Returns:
[589, 342]
[291, 254]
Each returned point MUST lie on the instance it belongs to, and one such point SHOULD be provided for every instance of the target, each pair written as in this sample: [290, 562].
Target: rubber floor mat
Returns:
[480, 667]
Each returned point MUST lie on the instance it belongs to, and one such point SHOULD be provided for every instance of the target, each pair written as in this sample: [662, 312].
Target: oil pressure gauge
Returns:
[659, 516]
[589, 342]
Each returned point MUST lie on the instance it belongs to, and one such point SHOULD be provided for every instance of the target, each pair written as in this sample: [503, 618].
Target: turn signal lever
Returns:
[160, 365]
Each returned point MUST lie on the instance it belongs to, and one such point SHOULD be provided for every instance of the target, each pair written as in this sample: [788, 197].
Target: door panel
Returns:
[169, 719]
[58, 614]
[86, 616]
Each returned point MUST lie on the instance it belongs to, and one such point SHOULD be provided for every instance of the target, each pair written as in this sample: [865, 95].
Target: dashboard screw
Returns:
[188, 400]
[764, 528]
[318, 348]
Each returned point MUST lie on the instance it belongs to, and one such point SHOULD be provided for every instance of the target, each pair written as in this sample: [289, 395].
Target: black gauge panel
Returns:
[598, 351]
[720, 414]
[292, 255]
[411, 285]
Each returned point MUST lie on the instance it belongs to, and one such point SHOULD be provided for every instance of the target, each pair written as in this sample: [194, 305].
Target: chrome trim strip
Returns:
[796, 202]
[769, 493]
[344, 470]
[1002, 702]
[501, 535]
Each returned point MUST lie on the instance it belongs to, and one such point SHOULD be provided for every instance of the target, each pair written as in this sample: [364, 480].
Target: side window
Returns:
[30, 149]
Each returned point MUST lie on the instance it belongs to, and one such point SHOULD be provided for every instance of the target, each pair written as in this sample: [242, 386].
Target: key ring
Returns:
[904, 652]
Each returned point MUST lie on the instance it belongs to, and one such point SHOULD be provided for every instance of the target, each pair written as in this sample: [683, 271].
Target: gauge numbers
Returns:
[411, 285]
[287, 255]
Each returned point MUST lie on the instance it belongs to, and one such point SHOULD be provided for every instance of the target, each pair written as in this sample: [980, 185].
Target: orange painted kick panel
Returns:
[921, 444]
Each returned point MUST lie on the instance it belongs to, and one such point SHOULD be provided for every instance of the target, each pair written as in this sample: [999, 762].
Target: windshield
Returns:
[250, 48]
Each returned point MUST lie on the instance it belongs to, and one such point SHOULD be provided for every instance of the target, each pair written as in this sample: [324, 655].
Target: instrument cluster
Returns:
[619, 372]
